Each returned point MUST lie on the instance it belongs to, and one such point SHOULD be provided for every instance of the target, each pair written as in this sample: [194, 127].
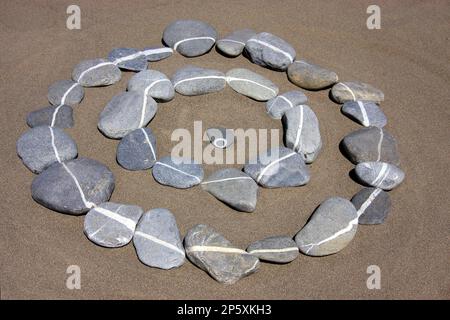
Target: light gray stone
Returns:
[373, 205]
[277, 106]
[251, 84]
[194, 81]
[112, 225]
[211, 252]
[310, 76]
[352, 91]
[66, 92]
[177, 172]
[278, 249]
[220, 137]
[155, 53]
[137, 150]
[96, 73]
[366, 113]
[61, 117]
[381, 175]
[330, 229]
[233, 44]
[42, 146]
[152, 83]
[128, 59]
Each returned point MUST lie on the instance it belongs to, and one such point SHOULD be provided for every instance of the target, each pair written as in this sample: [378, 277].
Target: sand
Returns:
[408, 59]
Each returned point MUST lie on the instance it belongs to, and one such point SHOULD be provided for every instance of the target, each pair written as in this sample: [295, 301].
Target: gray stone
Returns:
[111, 225]
[191, 38]
[137, 150]
[73, 187]
[157, 240]
[278, 249]
[152, 83]
[352, 91]
[220, 137]
[366, 113]
[61, 117]
[211, 252]
[126, 112]
[276, 107]
[233, 44]
[381, 175]
[370, 144]
[281, 168]
[65, 92]
[157, 53]
[95, 73]
[234, 188]
[251, 84]
[128, 59]
[310, 76]
[42, 146]
[268, 50]
[302, 132]
[373, 205]
[194, 81]
[330, 229]
[177, 172]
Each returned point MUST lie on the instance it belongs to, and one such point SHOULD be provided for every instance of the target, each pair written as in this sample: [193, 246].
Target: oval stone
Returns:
[128, 59]
[278, 249]
[381, 175]
[157, 53]
[233, 44]
[60, 116]
[194, 81]
[366, 113]
[137, 150]
[66, 92]
[310, 76]
[352, 91]
[251, 84]
[177, 172]
[95, 73]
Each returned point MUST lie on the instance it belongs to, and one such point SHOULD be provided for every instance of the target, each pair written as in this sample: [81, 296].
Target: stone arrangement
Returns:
[76, 186]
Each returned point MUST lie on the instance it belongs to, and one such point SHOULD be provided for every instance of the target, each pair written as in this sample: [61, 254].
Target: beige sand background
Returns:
[408, 59]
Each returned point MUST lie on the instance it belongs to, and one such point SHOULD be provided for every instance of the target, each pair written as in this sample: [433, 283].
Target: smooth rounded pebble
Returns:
[211, 252]
[373, 205]
[191, 38]
[73, 187]
[65, 92]
[112, 225]
[366, 113]
[220, 137]
[194, 81]
[381, 175]
[177, 172]
[251, 84]
[96, 73]
[54, 116]
[42, 146]
[152, 83]
[137, 150]
[270, 51]
[234, 188]
[233, 44]
[158, 241]
[128, 59]
[280, 167]
[310, 76]
[352, 91]
[126, 112]
[155, 53]
[278, 249]
[330, 229]
[277, 106]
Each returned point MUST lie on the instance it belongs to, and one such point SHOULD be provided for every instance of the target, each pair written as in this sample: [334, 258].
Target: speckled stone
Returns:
[278, 249]
[233, 44]
[310, 76]
[137, 150]
[63, 117]
[177, 172]
[194, 81]
[66, 92]
[352, 91]
[128, 59]
[373, 205]
[381, 175]
[277, 106]
[152, 83]
[251, 84]
[95, 73]
[366, 113]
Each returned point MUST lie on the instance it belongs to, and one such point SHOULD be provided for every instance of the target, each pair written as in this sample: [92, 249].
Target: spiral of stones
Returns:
[77, 186]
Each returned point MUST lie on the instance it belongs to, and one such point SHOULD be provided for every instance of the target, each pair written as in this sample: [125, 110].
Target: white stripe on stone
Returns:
[55, 150]
[87, 204]
[348, 89]
[381, 175]
[128, 58]
[127, 222]
[198, 78]
[175, 46]
[149, 143]
[263, 171]
[215, 249]
[178, 170]
[224, 142]
[159, 241]
[299, 129]
[156, 51]
[365, 121]
[229, 79]
[368, 202]
[273, 250]
[55, 112]
[102, 64]
[380, 142]
[227, 179]
[231, 40]
[291, 58]
[63, 100]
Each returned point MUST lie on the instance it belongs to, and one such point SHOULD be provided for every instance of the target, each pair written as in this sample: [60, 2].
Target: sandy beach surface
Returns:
[408, 58]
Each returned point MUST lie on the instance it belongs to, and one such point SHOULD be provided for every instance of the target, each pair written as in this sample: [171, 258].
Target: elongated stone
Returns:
[128, 59]
[352, 91]
[278, 249]
[381, 175]
[137, 150]
[373, 205]
[277, 106]
[55, 116]
[152, 83]
[233, 44]
[366, 113]
[310, 76]
[251, 84]
[177, 172]
[95, 73]
[66, 92]
[194, 81]
[155, 53]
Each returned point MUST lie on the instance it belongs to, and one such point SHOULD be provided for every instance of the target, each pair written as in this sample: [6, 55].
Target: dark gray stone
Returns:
[277, 106]
[352, 91]
[65, 92]
[137, 150]
[152, 83]
[157, 53]
[96, 72]
[373, 205]
[233, 44]
[381, 175]
[177, 172]
[128, 59]
[211, 252]
[310, 76]
[194, 81]
[278, 249]
[366, 113]
[251, 84]
[220, 137]
[61, 117]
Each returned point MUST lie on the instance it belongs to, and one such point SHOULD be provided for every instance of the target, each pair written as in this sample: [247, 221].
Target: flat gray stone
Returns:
[194, 81]
[278, 249]
[234, 188]
[96, 73]
[373, 205]
[126, 112]
[65, 92]
[251, 84]
[220, 137]
[352, 91]
[302, 132]
[152, 83]
[155, 53]
[277, 106]
[42, 146]
[330, 229]
[381, 175]
[73, 187]
[128, 59]
[370, 144]
[211, 252]
[270, 51]
[366, 113]
[157, 240]
[310, 76]
[112, 225]
[191, 38]
[61, 117]
[280, 167]
[177, 172]
[233, 44]
[137, 150]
